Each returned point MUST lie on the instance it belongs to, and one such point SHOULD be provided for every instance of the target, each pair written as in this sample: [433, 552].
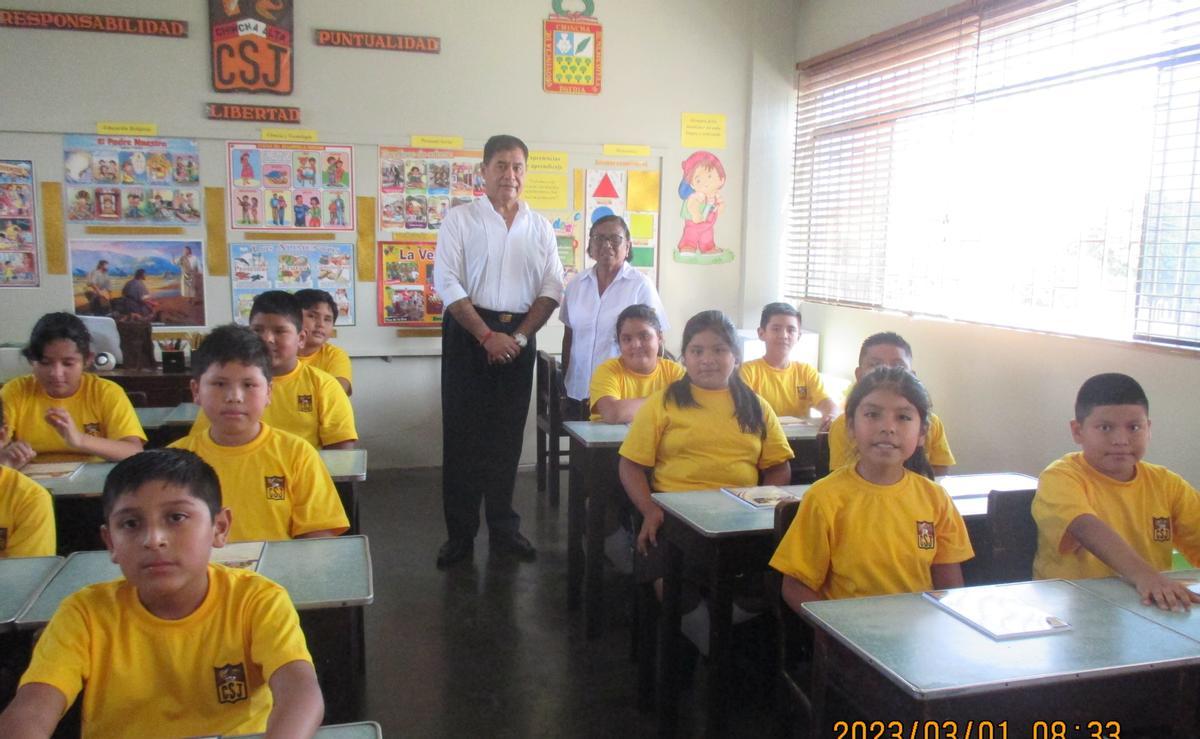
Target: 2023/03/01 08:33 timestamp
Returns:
[975, 730]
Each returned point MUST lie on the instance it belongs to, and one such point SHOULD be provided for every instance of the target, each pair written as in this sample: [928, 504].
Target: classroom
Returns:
[401, 73]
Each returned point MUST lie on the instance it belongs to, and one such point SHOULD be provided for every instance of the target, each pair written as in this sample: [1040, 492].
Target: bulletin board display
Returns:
[257, 267]
[290, 187]
[131, 180]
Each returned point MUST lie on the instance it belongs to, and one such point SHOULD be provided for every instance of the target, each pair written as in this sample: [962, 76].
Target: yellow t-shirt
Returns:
[307, 402]
[843, 450]
[26, 517]
[852, 538]
[204, 674]
[613, 380]
[99, 408]
[332, 359]
[791, 391]
[277, 486]
[1155, 512]
[702, 448]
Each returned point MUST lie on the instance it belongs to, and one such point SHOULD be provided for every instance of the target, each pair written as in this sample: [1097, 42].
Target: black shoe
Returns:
[514, 544]
[454, 551]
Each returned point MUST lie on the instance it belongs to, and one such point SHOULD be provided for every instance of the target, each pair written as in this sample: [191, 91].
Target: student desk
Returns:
[1120, 593]
[901, 658]
[328, 580]
[361, 730]
[77, 508]
[593, 479]
[21, 579]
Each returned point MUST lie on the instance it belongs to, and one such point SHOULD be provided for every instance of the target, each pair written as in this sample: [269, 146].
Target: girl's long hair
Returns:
[746, 406]
[643, 312]
[906, 385]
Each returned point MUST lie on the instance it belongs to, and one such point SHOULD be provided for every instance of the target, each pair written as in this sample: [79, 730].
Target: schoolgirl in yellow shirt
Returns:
[61, 410]
[620, 385]
[877, 526]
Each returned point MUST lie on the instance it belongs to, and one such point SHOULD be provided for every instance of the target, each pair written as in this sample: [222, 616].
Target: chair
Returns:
[137, 398]
[1014, 534]
[550, 455]
[794, 643]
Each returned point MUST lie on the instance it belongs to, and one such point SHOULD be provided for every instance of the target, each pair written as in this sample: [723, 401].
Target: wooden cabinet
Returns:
[160, 388]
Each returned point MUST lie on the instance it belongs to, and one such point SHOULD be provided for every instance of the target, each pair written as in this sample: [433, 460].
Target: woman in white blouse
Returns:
[592, 303]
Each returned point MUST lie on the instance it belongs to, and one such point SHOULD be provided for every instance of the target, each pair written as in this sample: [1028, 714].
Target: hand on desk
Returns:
[1169, 595]
[16, 455]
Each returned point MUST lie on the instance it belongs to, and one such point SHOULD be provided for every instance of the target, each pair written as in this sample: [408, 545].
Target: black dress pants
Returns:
[484, 407]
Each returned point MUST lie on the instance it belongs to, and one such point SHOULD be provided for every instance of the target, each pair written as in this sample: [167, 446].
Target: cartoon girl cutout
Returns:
[703, 178]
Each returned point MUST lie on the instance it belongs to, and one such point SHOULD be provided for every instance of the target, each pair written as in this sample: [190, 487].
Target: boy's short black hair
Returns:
[53, 327]
[885, 338]
[503, 142]
[310, 296]
[171, 466]
[777, 309]
[278, 303]
[231, 343]
[1110, 388]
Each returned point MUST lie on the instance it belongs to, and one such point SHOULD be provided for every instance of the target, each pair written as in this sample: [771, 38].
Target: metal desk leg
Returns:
[668, 637]
[575, 524]
[596, 486]
[720, 632]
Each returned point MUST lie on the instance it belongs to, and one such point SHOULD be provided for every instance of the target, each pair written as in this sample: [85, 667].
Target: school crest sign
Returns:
[252, 45]
[571, 51]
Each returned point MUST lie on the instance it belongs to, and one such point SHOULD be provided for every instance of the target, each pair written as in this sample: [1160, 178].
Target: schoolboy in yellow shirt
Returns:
[888, 350]
[620, 385]
[26, 512]
[791, 388]
[1103, 511]
[274, 482]
[320, 314]
[62, 411]
[305, 401]
[179, 646]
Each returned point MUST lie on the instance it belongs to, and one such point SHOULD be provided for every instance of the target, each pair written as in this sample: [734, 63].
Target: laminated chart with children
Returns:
[131, 180]
[258, 267]
[290, 187]
[18, 225]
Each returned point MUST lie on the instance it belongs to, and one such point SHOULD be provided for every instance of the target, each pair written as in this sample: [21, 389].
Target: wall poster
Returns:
[155, 280]
[131, 180]
[290, 186]
[406, 294]
[18, 225]
[261, 266]
[417, 187]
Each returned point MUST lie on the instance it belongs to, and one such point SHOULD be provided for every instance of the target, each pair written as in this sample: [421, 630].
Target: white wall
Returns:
[1006, 396]
[660, 59]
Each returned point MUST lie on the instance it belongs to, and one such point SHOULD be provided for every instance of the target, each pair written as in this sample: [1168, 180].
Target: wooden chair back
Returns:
[1014, 534]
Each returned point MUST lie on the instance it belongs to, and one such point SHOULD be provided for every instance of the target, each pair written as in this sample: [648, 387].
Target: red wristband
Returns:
[486, 336]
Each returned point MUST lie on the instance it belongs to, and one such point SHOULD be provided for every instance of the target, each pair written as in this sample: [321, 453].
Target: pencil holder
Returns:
[172, 360]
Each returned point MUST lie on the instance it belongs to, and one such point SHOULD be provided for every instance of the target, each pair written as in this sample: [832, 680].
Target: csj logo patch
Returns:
[231, 683]
[925, 535]
[1162, 529]
[304, 403]
[274, 487]
[802, 391]
[92, 429]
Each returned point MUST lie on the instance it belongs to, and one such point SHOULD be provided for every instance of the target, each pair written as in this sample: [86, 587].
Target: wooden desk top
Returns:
[930, 654]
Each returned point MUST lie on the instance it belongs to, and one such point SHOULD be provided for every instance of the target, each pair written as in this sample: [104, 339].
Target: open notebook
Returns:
[244, 555]
[51, 470]
[997, 613]
[761, 496]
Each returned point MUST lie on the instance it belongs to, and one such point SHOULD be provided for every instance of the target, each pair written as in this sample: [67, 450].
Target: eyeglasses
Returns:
[612, 241]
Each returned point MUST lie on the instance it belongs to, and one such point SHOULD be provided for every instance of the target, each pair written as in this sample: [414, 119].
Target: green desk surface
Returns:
[930, 654]
[1120, 593]
[360, 730]
[969, 486]
[152, 418]
[183, 414]
[21, 579]
[715, 513]
[595, 434]
[317, 573]
[344, 465]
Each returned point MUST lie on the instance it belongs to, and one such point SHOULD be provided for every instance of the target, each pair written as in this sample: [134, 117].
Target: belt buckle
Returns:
[506, 318]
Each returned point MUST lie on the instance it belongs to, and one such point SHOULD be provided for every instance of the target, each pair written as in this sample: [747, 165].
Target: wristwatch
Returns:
[521, 339]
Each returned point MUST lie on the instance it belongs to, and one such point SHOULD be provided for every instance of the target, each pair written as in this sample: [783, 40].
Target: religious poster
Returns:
[18, 225]
[252, 45]
[417, 187]
[571, 51]
[406, 293]
[158, 281]
[261, 266]
[290, 186]
[131, 180]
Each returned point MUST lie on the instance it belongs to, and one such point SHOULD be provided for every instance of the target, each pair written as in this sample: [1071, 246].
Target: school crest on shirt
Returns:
[1162, 529]
[231, 683]
[304, 403]
[802, 391]
[3, 539]
[92, 429]
[274, 485]
[925, 535]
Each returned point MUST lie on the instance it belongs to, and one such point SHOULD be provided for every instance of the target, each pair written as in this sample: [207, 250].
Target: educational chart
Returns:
[18, 218]
[131, 180]
[406, 294]
[258, 267]
[154, 280]
[290, 186]
[417, 187]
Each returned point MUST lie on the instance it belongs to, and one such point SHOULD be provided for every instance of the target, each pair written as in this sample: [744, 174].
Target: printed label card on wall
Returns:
[131, 180]
[293, 187]
[18, 225]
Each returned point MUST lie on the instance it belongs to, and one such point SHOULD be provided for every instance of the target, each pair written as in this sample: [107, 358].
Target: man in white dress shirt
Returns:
[500, 275]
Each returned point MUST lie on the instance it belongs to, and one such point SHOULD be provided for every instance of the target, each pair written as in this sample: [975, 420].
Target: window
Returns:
[1026, 164]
